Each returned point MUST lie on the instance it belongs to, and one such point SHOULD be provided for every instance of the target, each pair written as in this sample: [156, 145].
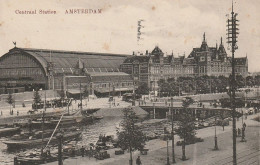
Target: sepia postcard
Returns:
[117, 82]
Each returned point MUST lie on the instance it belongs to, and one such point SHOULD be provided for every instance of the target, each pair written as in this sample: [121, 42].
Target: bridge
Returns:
[163, 110]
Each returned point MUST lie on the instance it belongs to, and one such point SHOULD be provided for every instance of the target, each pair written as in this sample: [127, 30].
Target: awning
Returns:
[106, 90]
[75, 91]
[124, 89]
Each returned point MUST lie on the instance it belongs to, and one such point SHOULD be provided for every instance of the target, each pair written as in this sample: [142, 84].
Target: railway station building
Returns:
[23, 69]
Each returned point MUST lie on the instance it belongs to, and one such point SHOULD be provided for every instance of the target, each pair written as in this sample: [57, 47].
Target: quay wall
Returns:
[105, 112]
[9, 120]
[205, 97]
[28, 96]
[117, 112]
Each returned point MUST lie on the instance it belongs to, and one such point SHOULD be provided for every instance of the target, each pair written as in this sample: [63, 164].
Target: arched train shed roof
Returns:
[69, 59]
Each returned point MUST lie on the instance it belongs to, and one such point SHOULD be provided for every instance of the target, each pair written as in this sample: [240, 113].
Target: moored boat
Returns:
[34, 160]
[9, 131]
[29, 143]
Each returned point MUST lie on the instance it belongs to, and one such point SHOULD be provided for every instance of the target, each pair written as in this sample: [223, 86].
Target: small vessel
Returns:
[29, 143]
[98, 117]
[90, 110]
[9, 131]
[34, 159]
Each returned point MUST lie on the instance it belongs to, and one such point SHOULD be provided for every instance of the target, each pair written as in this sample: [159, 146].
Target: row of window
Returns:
[179, 69]
[23, 72]
[117, 84]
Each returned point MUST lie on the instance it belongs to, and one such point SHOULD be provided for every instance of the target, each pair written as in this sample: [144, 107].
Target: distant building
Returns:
[24, 69]
[204, 60]
[213, 61]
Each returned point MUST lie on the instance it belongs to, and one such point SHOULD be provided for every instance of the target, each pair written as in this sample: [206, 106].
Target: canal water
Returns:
[90, 134]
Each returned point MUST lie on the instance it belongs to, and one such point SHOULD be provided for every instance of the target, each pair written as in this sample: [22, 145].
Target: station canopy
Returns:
[66, 61]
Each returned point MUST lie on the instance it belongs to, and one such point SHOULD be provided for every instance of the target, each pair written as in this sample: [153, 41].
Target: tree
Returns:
[186, 125]
[250, 81]
[131, 136]
[36, 99]
[10, 101]
[142, 89]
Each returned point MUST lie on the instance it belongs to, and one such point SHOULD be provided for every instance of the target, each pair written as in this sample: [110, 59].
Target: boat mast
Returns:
[80, 96]
[43, 118]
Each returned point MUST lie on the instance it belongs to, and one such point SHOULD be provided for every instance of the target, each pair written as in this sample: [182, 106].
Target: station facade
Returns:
[202, 61]
[23, 69]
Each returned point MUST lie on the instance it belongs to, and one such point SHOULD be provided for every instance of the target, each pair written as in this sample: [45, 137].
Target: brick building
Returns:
[204, 60]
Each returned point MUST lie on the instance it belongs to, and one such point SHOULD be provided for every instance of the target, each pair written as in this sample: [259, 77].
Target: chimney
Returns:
[146, 52]
[133, 53]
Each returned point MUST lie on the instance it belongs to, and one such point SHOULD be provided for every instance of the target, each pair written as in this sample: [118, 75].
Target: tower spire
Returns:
[221, 40]
[204, 40]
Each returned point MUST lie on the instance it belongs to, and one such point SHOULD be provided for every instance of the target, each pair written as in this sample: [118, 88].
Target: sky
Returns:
[176, 26]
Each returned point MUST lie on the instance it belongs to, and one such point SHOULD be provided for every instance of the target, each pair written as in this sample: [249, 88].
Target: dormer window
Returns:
[202, 58]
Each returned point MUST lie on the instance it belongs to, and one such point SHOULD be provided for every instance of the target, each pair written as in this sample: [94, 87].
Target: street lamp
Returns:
[216, 139]
[60, 139]
[153, 110]
[168, 160]
[173, 155]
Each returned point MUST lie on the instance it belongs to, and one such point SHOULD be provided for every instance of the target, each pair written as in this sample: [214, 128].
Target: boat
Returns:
[98, 117]
[90, 110]
[29, 143]
[9, 131]
[34, 160]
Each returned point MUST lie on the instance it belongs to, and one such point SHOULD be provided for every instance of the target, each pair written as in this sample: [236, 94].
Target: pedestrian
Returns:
[82, 150]
[91, 151]
[223, 125]
[243, 134]
[17, 113]
[244, 125]
[238, 132]
[1, 113]
[15, 161]
[138, 161]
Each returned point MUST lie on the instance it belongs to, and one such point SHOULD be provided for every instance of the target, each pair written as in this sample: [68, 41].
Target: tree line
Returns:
[203, 84]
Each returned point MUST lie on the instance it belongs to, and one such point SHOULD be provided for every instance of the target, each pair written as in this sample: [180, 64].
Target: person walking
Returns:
[138, 161]
[82, 150]
[244, 125]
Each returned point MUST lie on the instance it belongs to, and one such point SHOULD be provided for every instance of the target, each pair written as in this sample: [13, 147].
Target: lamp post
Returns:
[109, 95]
[60, 137]
[173, 154]
[216, 139]
[153, 110]
[168, 160]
